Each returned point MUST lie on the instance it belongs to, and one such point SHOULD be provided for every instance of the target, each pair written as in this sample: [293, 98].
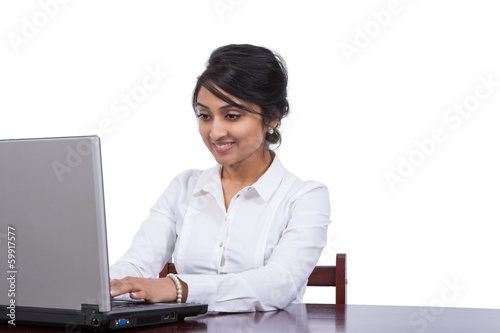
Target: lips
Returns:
[222, 147]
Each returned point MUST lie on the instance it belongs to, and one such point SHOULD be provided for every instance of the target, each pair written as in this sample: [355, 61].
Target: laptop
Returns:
[54, 267]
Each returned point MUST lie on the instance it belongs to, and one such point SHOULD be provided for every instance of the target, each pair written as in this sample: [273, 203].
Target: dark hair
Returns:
[252, 74]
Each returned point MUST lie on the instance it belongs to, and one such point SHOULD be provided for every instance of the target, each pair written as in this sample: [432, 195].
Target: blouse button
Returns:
[220, 244]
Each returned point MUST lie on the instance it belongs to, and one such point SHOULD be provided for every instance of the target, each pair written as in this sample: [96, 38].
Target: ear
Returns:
[273, 123]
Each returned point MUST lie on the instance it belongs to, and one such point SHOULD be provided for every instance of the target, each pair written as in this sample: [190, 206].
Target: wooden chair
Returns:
[331, 276]
[321, 276]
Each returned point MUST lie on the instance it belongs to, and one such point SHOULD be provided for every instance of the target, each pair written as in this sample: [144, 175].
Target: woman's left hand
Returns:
[151, 290]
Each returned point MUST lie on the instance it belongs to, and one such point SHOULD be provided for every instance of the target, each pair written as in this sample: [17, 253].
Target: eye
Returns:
[203, 116]
[232, 116]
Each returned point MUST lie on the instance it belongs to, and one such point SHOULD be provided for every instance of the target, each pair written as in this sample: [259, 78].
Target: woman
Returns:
[246, 234]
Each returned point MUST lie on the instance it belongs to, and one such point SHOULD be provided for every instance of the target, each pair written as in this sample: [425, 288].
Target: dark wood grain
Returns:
[341, 279]
[326, 318]
[322, 276]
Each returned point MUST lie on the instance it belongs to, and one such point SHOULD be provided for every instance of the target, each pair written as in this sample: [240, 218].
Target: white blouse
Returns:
[256, 256]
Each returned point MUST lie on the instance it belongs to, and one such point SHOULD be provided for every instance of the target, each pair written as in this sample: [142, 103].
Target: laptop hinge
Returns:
[92, 316]
[90, 308]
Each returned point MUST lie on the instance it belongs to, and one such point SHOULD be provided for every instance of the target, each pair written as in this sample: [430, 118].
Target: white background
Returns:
[432, 239]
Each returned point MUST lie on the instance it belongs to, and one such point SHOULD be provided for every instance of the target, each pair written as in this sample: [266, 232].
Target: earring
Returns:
[270, 130]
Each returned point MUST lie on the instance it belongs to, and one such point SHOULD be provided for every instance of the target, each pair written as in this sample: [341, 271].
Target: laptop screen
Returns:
[53, 223]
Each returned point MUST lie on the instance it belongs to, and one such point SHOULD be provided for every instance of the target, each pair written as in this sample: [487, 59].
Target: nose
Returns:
[218, 130]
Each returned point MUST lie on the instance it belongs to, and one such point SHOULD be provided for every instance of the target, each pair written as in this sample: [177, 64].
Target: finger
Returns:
[138, 295]
[120, 287]
[113, 288]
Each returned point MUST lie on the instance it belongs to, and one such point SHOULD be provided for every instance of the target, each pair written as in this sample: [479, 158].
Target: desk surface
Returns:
[328, 318]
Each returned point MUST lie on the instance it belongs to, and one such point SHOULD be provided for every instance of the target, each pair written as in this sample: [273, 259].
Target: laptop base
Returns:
[89, 318]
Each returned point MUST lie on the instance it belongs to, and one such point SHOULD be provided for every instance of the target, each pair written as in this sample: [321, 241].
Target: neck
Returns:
[248, 172]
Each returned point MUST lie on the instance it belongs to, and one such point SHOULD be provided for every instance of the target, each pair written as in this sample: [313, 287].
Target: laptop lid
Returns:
[52, 225]
[53, 235]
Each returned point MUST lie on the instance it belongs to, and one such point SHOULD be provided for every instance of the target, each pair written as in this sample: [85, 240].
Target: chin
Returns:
[223, 161]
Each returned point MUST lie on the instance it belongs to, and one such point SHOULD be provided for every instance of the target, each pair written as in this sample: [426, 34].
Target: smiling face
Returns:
[234, 136]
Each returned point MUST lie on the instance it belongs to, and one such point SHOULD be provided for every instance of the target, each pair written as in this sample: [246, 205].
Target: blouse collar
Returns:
[265, 186]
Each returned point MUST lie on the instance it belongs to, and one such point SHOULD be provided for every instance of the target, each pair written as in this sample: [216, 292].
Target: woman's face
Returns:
[231, 134]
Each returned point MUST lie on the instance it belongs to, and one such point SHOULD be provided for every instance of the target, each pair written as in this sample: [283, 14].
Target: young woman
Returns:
[245, 234]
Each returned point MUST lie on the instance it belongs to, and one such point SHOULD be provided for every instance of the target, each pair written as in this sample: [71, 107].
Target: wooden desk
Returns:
[312, 318]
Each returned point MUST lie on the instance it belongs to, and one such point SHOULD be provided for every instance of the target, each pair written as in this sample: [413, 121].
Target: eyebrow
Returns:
[227, 106]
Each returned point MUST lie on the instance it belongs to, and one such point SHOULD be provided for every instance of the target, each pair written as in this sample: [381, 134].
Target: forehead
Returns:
[211, 101]
[205, 96]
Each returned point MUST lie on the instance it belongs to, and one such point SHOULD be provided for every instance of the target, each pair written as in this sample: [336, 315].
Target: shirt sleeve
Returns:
[279, 282]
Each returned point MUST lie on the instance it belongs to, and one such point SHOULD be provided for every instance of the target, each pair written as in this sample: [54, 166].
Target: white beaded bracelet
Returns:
[177, 285]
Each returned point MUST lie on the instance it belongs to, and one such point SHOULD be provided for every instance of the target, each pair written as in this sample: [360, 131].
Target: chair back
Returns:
[321, 276]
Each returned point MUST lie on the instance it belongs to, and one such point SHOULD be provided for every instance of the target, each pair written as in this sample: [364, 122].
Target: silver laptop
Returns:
[53, 244]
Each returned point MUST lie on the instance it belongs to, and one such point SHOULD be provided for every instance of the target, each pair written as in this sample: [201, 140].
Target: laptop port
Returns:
[121, 322]
[168, 316]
